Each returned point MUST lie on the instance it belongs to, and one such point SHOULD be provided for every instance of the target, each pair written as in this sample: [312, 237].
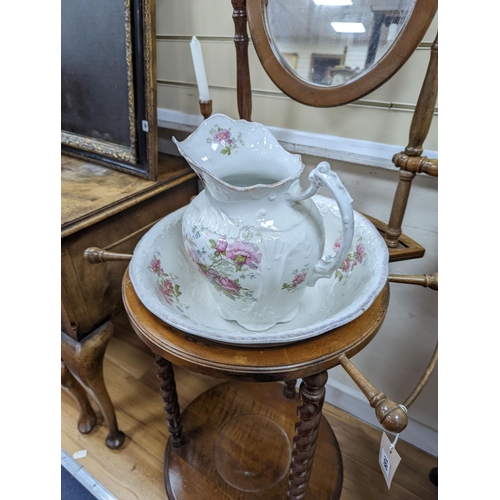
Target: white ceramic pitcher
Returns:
[253, 232]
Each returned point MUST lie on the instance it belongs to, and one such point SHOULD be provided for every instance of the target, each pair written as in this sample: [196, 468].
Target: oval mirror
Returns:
[331, 52]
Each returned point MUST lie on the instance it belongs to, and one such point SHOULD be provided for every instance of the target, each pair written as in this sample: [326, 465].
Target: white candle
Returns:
[199, 69]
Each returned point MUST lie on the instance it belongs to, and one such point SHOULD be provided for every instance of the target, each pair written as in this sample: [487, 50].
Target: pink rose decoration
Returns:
[155, 265]
[221, 245]
[222, 135]
[244, 253]
[299, 278]
[228, 284]
[166, 288]
[336, 245]
[346, 265]
[212, 274]
[360, 249]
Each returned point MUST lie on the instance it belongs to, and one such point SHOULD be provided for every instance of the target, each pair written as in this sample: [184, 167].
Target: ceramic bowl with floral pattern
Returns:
[169, 286]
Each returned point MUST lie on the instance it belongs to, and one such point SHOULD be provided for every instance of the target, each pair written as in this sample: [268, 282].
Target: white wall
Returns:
[395, 360]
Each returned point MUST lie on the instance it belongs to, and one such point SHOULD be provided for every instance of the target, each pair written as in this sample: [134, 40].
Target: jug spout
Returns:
[239, 160]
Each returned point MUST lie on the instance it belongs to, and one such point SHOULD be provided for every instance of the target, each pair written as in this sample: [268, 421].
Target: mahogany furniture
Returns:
[113, 209]
[210, 431]
[238, 436]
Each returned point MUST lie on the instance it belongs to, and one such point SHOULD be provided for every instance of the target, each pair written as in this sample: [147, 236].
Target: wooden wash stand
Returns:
[203, 456]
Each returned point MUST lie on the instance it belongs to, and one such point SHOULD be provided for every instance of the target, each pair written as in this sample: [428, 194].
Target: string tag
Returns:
[388, 458]
[80, 454]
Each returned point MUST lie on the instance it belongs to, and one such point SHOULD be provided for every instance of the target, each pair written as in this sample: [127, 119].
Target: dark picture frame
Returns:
[322, 66]
[108, 84]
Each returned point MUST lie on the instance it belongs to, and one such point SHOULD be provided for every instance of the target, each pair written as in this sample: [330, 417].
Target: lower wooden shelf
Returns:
[136, 470]
[237, 443]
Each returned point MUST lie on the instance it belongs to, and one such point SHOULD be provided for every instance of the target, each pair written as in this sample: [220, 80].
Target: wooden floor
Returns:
[136, 470]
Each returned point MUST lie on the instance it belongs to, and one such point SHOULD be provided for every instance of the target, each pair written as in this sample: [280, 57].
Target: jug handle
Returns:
[321, 176]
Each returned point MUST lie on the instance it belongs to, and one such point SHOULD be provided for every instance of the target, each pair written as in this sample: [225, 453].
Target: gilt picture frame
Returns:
[108, 84]
[322, 66]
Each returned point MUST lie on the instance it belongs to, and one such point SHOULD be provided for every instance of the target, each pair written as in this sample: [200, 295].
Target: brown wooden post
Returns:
[312, 393]
[420, 125]
[289, 390]
[243, 88]
[169, 396]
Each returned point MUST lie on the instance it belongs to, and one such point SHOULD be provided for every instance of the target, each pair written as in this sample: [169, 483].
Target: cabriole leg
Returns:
[87, 419]
[85, 361]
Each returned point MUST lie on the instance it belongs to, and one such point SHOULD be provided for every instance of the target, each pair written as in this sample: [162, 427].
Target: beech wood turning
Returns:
[96, 255]
[423, 381]
[392, 417]
[425, 280]
[383, 406]
[410, 162]
[430, 281]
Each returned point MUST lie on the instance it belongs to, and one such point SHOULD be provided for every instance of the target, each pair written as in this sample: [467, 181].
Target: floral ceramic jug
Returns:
[253, 232]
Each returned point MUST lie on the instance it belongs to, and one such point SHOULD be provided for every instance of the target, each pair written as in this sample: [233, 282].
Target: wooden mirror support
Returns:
[425, 280]
[322, 96]
[243, 86]
[410, 161]
[391, 415]
[96, 255]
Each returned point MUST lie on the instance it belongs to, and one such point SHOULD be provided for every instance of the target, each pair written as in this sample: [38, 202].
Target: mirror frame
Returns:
[140, 156]
[314, 95]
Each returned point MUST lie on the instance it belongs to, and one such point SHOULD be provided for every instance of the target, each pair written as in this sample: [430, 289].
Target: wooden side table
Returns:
[105, 207]
[233, 441]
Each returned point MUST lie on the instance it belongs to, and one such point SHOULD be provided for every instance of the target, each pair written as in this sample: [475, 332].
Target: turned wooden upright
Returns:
[410, 161]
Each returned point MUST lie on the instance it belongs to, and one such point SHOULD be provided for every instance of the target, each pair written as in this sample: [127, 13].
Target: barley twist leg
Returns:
[169, 396]
[312, 393]
[289, 389]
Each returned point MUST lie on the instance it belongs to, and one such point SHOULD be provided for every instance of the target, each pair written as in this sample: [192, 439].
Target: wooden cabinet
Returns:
[104, 208]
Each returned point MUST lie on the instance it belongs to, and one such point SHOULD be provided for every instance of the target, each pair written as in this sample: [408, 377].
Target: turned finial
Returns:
[96, 255]
[391, 415]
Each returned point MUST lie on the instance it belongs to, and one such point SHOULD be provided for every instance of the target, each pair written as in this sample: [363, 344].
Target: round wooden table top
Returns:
[260, 364]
